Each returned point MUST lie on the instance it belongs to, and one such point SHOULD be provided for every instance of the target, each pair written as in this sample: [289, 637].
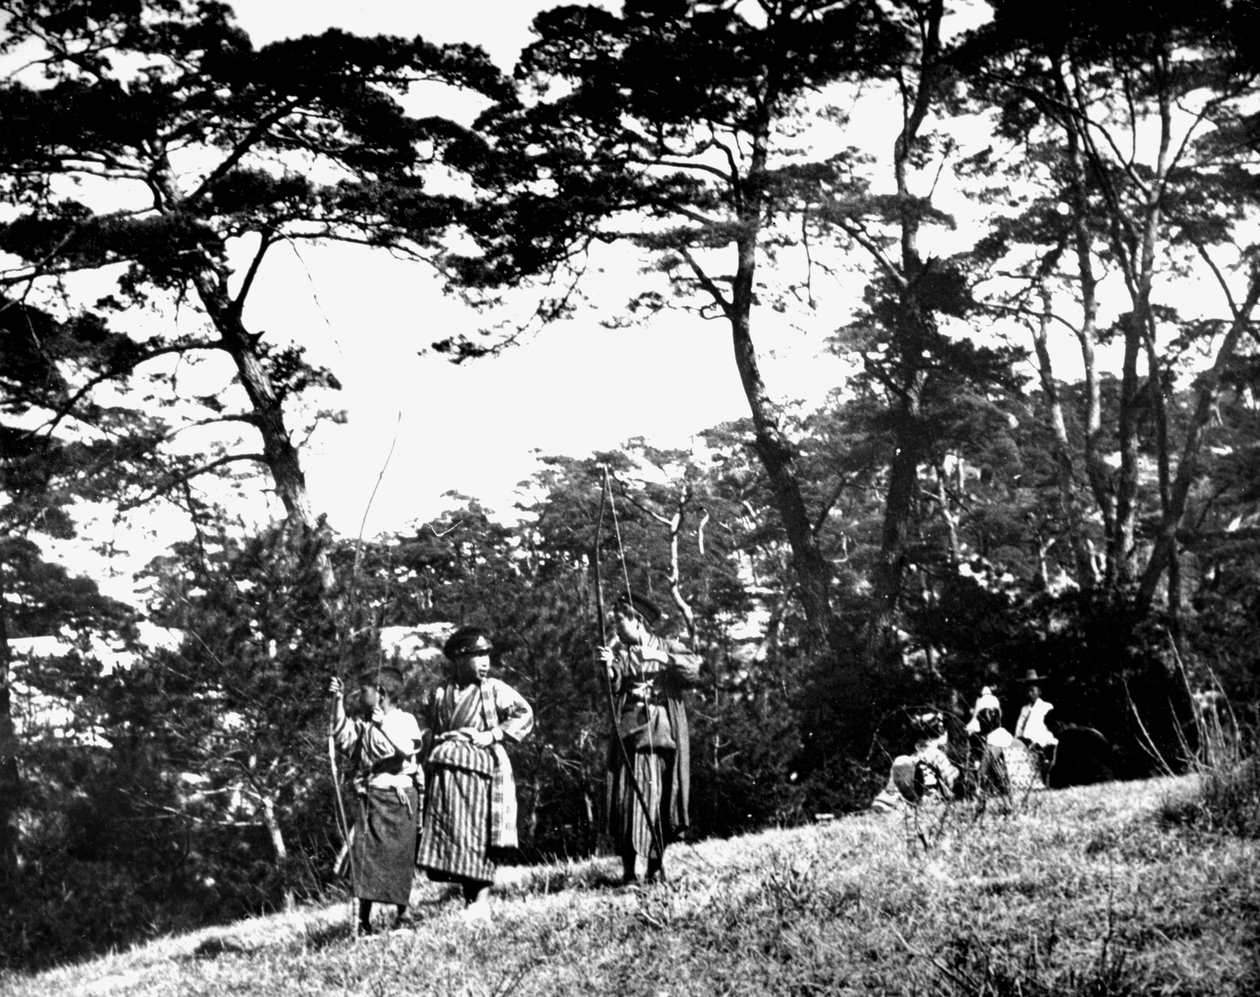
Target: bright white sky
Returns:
[476, 429]
[473, 428]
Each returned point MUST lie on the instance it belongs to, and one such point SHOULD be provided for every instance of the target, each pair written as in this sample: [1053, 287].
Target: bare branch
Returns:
[184, 477]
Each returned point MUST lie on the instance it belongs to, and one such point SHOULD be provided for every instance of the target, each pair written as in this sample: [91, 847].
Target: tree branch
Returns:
[186, 476]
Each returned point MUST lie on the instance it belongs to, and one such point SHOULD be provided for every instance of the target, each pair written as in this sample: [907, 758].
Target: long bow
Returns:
[615, 731]
[349, 618]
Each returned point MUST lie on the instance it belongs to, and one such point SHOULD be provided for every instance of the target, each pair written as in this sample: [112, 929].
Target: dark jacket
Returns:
[666, 683]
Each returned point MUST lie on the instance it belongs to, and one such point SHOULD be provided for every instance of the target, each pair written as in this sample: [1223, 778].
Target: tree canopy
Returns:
[209, 154]
[1030, 234]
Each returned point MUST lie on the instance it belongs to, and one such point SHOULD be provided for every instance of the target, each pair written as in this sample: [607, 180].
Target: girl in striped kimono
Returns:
[470, 795]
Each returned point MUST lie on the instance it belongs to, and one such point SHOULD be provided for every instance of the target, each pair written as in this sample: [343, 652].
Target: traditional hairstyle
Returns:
[644, 607]
[387, 678]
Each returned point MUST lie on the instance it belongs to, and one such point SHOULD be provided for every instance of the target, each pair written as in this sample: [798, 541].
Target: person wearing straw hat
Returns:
[1033, 726]
[382, 744]
[648, 805]
[470, 793]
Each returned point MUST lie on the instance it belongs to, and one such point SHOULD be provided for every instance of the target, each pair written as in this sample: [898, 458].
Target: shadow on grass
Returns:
[575, 881]
[312, 938]
[325, 935]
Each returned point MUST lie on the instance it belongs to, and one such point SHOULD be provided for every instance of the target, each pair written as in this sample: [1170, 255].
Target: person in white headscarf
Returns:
[986, 720]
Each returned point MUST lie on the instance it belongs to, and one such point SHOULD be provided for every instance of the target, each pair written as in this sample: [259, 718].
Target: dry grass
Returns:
[1084, 891]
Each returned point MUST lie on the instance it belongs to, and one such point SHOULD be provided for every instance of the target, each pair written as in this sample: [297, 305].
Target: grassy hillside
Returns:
[1087, 891]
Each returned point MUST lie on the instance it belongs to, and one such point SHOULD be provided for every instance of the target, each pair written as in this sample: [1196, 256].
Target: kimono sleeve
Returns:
[682, 666]
[346, 734]
[376, 745]
[404, 732]
[618, 670]
[515, 716]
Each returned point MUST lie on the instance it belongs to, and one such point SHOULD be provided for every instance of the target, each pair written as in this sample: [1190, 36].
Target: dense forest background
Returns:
[957, 512]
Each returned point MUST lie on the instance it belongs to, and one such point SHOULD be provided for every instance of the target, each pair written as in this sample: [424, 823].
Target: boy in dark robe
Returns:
[648, 675]
[382, 744]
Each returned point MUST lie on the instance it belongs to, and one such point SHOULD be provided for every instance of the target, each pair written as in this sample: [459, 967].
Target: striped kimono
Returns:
[470, 795]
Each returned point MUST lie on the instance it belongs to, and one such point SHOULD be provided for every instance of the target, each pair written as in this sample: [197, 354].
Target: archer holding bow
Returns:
[382, 743]
[647, 805]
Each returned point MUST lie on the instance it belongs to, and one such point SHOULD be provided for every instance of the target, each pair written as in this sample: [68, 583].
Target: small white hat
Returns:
[988, 701]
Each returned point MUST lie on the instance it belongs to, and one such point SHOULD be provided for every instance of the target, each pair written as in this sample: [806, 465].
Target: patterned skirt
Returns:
[455, 838]
[383, 851]
[630, 827]
[1017, 770]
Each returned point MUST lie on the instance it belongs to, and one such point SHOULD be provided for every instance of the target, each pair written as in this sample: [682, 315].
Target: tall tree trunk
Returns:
[535, 794]
[1134, 242]
[266, 409]
[913, 324]
[1120, 545]
[10, 775]
[267, 412]
[947, 514]
[592, 821]
[777, 455]
[1096, 470]
[1064, 465]
[903, 478]
[279, 849]
[1163, 555]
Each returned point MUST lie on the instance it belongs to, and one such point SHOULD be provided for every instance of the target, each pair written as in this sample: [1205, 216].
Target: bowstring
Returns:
[621, 550]
[343, 823]
[658, 831]
[393, 443]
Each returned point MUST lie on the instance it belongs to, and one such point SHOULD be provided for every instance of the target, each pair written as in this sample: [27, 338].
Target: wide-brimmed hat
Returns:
[466, 641]
[1032, 676]
[642, 605]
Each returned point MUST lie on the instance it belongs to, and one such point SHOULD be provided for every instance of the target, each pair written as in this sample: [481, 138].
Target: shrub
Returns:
[970, 968]
[1227, 800]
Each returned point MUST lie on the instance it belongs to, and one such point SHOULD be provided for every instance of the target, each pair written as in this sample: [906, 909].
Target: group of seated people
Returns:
[991, 760]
